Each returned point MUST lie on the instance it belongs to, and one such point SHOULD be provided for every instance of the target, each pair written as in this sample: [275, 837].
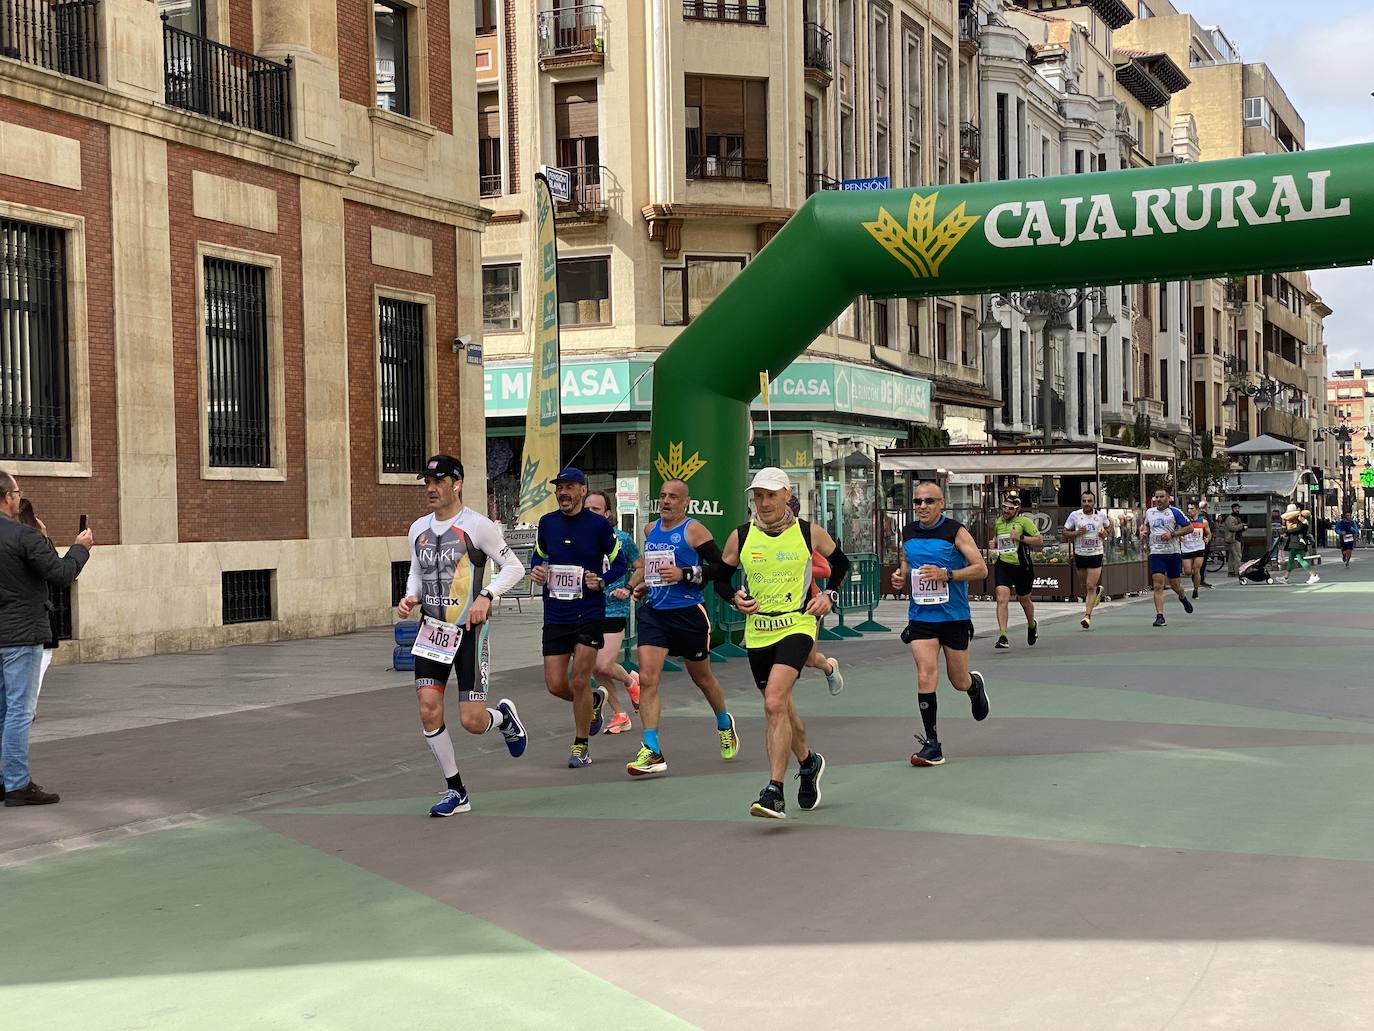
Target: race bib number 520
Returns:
[928, 592]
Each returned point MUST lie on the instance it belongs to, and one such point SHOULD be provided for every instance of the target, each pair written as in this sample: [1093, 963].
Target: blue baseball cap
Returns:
[570, 475]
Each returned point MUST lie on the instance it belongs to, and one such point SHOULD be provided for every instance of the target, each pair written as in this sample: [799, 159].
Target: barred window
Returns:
[35, 406]
[401, 377]
[236, 365]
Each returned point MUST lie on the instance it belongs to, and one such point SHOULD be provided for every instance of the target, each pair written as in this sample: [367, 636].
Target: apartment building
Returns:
[1061, 96]
[239, 240]
[693, 129]
[1350, 401]
[1258, 361]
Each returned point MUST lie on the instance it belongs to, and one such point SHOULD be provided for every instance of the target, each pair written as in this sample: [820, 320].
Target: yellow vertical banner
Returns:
[543, 431]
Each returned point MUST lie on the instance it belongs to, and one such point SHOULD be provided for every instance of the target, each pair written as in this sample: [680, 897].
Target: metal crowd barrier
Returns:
[861, 592]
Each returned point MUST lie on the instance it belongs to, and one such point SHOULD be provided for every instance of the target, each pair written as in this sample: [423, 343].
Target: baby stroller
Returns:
[1256, 571]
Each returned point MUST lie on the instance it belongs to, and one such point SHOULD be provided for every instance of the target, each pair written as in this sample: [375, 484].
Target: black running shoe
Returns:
[1001, 641]
[1195, 594]
[1032, 632]
[1159, 620]
[930, 754]
[809, 791]
[770, 805]
[598, 711]
[1187, 605]
[978, 696]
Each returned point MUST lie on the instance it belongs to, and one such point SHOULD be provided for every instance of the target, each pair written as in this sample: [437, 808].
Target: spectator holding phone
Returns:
[28, 517]
[28, 564]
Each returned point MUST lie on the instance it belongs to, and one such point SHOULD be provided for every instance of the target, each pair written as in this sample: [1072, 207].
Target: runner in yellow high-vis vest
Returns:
[774, 550]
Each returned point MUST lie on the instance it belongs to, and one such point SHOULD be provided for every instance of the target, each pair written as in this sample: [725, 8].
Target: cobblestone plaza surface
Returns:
[1156, 828]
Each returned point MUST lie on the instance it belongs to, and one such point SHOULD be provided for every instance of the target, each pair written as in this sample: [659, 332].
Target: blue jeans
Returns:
[18, 699]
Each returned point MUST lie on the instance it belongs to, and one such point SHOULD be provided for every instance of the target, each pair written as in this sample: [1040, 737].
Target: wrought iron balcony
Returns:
[817, 48]
[970, 143]
[969, 31]
[60, 35]
[712, 166]
[816, 182]
[489, 184]
[588, 202]
[221, 82]
[572, 35]
[745, 12]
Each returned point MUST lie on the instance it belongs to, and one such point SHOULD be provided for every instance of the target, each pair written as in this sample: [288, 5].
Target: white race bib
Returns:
[1091, 541]
[1193, 541]
[928, 592]
[437, 641]
[1347, 538]
[654, 562]
[1005, 545]
[565, 582]
[1159, 539]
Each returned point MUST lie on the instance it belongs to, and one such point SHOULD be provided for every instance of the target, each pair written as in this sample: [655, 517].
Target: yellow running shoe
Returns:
[647, 763]
[729, 740]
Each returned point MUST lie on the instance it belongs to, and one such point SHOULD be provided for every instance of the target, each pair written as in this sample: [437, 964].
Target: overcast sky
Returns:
[1326, 66]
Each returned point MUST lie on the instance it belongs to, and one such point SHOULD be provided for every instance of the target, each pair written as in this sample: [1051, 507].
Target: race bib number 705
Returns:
[565, 582]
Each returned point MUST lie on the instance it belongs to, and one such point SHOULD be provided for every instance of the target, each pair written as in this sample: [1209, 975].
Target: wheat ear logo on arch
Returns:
[675, 467]
[921, 245]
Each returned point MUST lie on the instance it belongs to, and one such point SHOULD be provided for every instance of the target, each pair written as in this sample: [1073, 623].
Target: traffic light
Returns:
[1315, 485]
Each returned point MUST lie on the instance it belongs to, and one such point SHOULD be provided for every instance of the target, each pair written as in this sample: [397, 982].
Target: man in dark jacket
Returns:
[27, 565]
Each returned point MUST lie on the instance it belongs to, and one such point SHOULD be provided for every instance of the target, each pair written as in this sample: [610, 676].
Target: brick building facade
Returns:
[240, 243]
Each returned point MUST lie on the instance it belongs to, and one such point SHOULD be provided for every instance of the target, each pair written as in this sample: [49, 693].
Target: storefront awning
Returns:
[1032, 463]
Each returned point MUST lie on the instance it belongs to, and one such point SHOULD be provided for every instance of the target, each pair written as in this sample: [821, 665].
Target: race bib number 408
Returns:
[437, 641]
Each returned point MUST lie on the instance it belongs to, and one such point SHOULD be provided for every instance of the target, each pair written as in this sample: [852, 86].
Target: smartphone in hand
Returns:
[82, 527]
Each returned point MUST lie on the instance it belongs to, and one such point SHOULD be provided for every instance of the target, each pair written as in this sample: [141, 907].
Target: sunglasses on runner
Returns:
[928, 501]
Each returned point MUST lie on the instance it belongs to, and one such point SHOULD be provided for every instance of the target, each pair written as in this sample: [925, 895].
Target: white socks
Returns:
[442, 746]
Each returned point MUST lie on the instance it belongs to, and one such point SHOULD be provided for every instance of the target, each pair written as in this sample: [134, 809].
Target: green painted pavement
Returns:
[1261, 801]
[880, 694]
[228, 925]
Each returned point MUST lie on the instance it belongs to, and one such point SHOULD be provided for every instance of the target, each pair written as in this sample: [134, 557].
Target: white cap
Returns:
[1292, 508]
[771, 478]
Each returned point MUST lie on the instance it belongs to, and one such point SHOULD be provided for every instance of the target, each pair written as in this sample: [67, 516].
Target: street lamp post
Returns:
[1344, 435]
[1047, 315]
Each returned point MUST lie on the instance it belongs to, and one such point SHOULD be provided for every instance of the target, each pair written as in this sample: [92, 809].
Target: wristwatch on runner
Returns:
[486, 593]
[834, 597]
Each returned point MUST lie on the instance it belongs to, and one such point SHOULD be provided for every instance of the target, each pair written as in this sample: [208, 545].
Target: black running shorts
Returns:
[790, 651]
[564, 638]
[1088, 561]
[473, 664]
[613, 625]
[954, 634]
[1012, 575]
[1187, 555]
[682, 631]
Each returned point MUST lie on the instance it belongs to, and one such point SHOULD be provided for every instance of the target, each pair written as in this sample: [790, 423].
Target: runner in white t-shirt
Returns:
[1194, 545]
[1164, 526]
[1088, 529]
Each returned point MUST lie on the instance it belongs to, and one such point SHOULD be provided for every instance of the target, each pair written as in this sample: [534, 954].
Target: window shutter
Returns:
[489, 116]
[575, 109]
[723, 113]
[756, 119]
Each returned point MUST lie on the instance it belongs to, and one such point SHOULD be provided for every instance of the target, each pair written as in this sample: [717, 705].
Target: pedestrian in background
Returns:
[1232, 528]
[28, 564]
[28, 517]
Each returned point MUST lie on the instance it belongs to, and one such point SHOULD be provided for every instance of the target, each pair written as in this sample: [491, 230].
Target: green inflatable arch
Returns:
[1175, 222]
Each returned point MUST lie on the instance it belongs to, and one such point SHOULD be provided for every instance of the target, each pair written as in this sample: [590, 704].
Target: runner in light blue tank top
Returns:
[662, 543]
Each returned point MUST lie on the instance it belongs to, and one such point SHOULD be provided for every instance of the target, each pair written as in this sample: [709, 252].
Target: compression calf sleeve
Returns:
[442, 746]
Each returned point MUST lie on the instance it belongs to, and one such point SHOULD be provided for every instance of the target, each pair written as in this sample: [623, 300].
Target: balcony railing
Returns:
[489, 184]
[969, 30]
[60, 35]
[970, 142]
[569, 31]
[747, 12]
[816, 182]
[230, 85]
[712, 166]
[816, 48]
[587, 196]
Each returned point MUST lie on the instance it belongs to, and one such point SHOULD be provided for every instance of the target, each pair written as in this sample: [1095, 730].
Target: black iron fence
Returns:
[221, 82]
[712, 166]
[816, 47]
[746, 13]
[970, 141]
[587, 194]
[572, 30]
[60, 35]
[815, 182]
[61, 619]
[35, 409]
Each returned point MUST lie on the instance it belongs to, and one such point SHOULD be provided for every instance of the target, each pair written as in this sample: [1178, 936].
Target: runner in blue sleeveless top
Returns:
[679, 555]
[939, 559]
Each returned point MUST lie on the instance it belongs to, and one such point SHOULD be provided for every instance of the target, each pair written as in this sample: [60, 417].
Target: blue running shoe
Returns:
[579, 757]
[513, 730]
[598, 716]
[452, 802]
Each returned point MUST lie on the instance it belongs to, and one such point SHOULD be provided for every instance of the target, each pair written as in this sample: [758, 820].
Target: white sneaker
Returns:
[1313, 578]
